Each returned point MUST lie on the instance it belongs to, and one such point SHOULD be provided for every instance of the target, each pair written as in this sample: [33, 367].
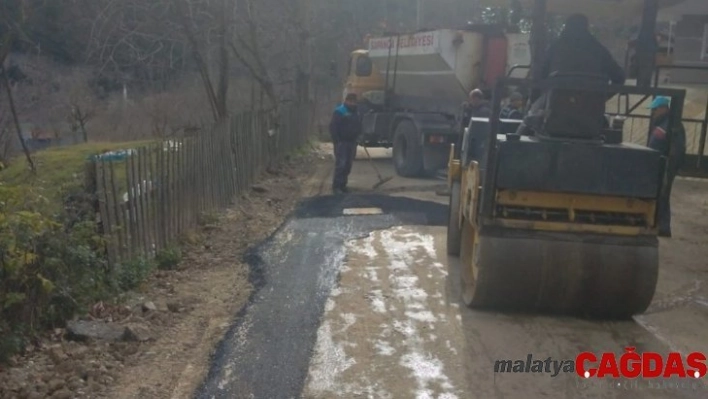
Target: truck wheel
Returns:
[454, 232]
[407, 150]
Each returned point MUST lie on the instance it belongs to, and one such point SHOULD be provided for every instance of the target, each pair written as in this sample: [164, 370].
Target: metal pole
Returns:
[705, 42]
[702, 142]
[395, 62]
[388, 70]
[646, 43]
[490, 161]
[671, 38]
[538, 43]
[418, 14]
[386, 21]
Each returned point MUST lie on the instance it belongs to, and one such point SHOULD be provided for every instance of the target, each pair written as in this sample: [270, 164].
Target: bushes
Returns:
[53, 266]
[53, 263]
[50, 266]
[130, 274]
[24, 285]
[169, 258]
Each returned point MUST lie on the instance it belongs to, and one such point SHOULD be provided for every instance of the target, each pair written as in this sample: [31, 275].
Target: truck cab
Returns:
[362, 75]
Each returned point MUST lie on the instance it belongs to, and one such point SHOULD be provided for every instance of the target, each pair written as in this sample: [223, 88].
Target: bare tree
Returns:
[79, 117]
[132, 39]
[4, 51]
[227, 7]
[247, 50]
[187, 19]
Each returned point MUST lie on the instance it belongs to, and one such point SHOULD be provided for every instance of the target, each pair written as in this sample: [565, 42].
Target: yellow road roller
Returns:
[560, 217]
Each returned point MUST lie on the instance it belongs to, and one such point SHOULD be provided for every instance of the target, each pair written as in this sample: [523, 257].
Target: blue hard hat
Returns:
[660, 102]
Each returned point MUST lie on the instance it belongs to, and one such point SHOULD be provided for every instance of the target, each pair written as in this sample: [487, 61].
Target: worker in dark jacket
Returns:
[344, 129]
[673, 148]
[577, 51]
[514, 109]
[475, 107]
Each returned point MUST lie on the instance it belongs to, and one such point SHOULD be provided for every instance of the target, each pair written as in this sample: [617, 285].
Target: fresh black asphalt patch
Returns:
[266, 353]
[408, 211]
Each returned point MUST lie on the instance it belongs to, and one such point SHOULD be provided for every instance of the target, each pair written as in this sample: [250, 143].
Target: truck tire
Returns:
[407, 150]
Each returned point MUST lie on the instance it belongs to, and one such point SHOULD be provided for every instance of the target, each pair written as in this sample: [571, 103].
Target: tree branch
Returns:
[204, 72]
[3, 55]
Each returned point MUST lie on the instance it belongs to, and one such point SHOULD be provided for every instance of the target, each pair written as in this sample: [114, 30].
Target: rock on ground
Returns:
[137, 333]
[81, 330]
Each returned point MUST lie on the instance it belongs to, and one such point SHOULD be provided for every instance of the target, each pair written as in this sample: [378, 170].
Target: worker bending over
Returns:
[674, 148]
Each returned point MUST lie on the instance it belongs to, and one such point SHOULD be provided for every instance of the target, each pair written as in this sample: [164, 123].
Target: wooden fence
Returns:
[148, 197]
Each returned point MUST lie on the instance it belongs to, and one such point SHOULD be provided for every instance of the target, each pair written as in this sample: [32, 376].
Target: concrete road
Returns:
[359, 300]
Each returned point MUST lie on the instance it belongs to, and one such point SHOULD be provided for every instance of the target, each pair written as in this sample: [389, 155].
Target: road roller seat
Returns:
[575, 114]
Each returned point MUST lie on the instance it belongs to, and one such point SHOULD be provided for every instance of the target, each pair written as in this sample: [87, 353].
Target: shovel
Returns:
[382, 180]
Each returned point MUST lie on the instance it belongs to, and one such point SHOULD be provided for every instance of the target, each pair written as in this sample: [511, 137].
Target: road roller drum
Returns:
[569, 274]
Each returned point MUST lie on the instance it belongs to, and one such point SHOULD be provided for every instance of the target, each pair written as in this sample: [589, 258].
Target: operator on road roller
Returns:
[576, 51]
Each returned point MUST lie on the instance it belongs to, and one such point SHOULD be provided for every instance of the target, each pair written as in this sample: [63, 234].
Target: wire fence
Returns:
[637, 120]
[636, 130]
[150, 196]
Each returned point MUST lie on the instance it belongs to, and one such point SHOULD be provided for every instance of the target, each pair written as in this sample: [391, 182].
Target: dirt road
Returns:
[376, 303]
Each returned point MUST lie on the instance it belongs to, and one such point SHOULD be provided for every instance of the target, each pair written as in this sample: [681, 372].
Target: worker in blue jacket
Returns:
[674, 150]
[344, 129]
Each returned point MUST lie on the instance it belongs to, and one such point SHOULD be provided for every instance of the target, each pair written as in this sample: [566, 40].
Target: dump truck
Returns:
[411, 87]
